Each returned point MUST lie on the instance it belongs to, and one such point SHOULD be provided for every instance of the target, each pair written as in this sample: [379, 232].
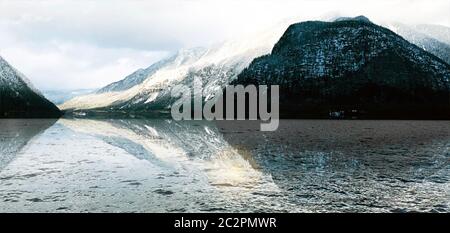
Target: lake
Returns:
[161, 165]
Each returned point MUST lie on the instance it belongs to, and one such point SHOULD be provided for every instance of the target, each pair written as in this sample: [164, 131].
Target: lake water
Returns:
[82, 165]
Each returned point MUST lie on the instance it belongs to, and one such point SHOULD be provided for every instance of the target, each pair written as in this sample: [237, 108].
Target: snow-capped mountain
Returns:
[352, 65]
[182, 57]
[439, 32]
[18, 97]
[149, 89]
[432, 38]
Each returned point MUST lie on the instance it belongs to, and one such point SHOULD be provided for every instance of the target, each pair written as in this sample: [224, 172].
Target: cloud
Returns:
[83, 43]
[65, 66]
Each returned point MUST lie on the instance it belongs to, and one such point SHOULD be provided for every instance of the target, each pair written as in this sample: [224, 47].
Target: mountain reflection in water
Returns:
[159, 165]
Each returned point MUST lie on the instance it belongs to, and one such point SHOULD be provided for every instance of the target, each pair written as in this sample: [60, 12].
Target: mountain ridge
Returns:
[19, 98]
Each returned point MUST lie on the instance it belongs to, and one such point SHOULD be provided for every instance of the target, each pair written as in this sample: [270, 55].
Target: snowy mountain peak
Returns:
[182, 57]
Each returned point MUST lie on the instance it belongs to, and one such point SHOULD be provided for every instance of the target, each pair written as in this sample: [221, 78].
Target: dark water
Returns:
[77, 165]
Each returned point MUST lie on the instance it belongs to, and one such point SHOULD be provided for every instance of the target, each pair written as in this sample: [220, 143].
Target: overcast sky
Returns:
[71, 44]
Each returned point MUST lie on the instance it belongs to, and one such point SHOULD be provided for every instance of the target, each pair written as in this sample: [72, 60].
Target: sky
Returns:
[83, 44]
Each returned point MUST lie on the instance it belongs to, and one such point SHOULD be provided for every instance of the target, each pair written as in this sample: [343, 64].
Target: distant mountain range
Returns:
[18, 97]
[61, 96]
[340, 65]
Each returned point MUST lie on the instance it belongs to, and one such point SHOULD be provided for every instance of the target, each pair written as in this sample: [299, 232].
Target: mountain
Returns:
[426, 37]
[139, 76]
[360, 18]
[439, 32]
[18, 97]
[353, 66]
[431, 38]
[61, 96]
[149, 89]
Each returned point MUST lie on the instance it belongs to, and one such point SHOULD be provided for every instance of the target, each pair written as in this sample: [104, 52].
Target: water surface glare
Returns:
[160, 165]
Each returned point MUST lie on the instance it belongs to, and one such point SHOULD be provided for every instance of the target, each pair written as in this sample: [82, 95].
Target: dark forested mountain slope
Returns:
[354, 66]
[18, 98]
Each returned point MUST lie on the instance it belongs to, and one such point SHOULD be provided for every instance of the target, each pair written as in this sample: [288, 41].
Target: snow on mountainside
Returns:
[18, 97]
[136, 78]
[217, 65]
[441, 33]
[434, 39]
[426, 37]
[13, 79]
